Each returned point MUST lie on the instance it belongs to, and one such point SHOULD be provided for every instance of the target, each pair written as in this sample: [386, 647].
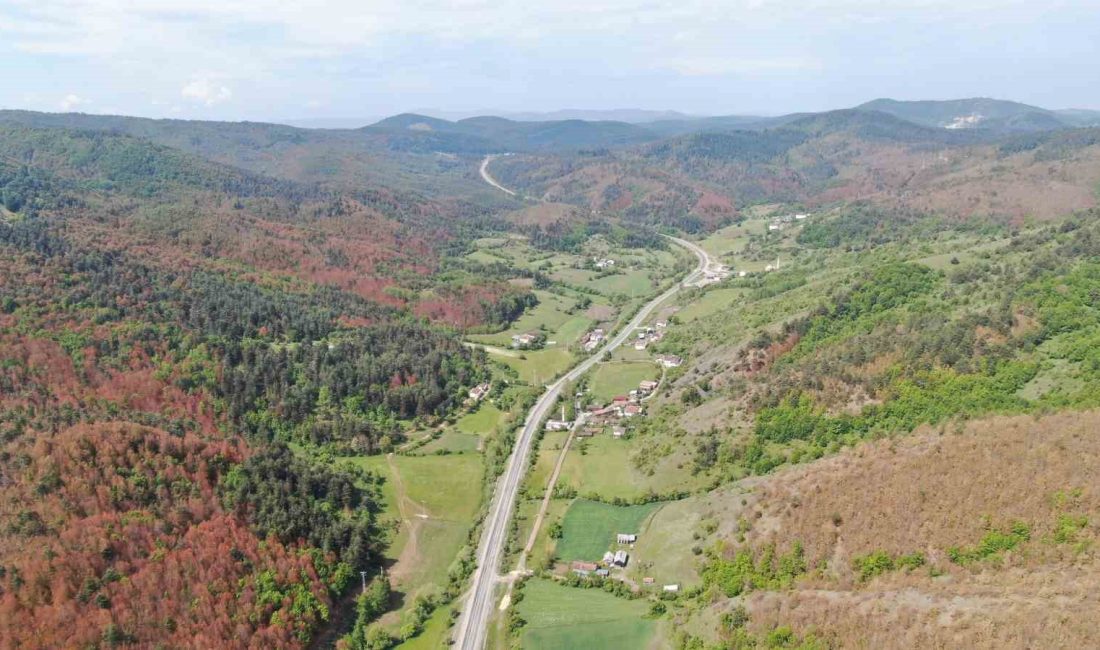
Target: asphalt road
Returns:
[478, 608]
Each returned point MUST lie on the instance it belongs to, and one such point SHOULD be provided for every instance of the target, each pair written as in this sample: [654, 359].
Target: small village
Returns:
[596, 417]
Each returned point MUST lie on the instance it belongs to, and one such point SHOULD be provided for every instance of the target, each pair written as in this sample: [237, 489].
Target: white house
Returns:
[669, 360]
[478, 392]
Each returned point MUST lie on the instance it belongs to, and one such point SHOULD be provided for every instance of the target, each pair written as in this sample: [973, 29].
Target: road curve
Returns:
[476, 611]
[484, 170]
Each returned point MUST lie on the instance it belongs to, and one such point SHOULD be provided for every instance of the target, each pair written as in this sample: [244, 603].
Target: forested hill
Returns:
[170, 328]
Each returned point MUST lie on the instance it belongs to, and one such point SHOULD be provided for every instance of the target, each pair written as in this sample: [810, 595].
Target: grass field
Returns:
[611, 379]
[590, 527]
[452, 441]
[538, 366]
[709, 303]
[606, 469]
[632, 283]
[434, 635]
[437, 496]
[482, 421]
[561, 618]
[549, 313]
[549, 448]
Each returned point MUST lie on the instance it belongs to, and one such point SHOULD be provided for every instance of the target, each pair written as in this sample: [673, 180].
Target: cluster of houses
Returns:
[650, 335]
[527, 340]
[611, 559]
[779, 223]
[593, 339]
[598, 415]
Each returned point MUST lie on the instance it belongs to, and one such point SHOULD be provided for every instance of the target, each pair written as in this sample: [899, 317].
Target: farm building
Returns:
[630, 410]
[626, 538]
[669, 360]
[526, 340]
[621, 558]
[558, 425]
[478, 392]
[647, 385]
[617, 432]
[671, 588]
[609, 558]
[584, 568]
[603, 573]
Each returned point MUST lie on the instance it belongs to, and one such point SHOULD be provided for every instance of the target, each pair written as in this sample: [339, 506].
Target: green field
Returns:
[606, 469]
[631, 283]
[561, 618]
[550, 314]
[482, 421]
[452, 441]
[538, 366]
[440, 496]
[619, 378]
[590, 527]
[434, 635]
[709, 303]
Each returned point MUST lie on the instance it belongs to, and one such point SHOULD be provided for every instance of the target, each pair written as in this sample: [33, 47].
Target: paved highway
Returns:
[478, 608]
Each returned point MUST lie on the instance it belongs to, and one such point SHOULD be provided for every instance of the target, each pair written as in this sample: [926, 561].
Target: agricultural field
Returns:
[609, 380]
[589, 527]
[560, 618]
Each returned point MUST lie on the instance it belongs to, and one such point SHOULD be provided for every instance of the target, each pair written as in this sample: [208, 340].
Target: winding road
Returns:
[478, 607]
[485, 176]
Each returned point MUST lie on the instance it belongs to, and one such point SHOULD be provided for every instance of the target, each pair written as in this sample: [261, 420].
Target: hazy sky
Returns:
[265, 60]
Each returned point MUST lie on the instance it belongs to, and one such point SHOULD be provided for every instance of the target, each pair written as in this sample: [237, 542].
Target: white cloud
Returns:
[71, 102]
[205, 91]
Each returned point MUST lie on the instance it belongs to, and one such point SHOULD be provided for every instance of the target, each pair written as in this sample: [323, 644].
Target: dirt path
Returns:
[546, 500]
[412, 517]
[493, 349]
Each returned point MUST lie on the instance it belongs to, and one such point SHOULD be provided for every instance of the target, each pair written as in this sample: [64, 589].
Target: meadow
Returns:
[619, 378]
[589, 527]
[560, 617]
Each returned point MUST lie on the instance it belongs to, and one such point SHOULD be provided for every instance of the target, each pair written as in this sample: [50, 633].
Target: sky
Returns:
[269, 60]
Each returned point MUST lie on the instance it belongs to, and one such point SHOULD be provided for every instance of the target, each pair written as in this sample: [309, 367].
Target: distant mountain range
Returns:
[983, 113]
[567, 129]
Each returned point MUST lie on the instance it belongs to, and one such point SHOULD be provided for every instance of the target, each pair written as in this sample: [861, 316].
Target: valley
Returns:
[813, 381]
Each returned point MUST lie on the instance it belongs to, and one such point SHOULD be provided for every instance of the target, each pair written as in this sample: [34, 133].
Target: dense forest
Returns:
[154, 379]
